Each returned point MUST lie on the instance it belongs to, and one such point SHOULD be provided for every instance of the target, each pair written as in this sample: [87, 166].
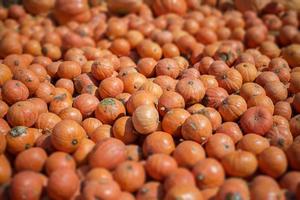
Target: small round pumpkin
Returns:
[150, 190]
[59, 160]
[218, 145]
[83, 150]
[173, 121]
[145, 119]
[31, 159]
[214, 97]
[194, 151]
[86, 104]
[158, 142]
[181, 191]
[180, 176]
[272, 161]
[128, 171]
[108, 153]
[24, 183]
[110, 87]
[209, 173]
[159, 166]
[20, 138]
[67, 135]
[264, 187]
[115, 107]
[197, 127]
[232, 108]
[239, 163]
[14, 91]
[62, 184]
[257, 120]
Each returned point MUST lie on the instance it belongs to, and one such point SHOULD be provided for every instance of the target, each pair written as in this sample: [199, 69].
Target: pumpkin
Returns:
[181, 191]
[247, 70]
[103, 190]
[14, 91]
[283, 109]
[197, 127]
[266, 77]
[231, 80]
[65, 179]
[214, 97]
[233, 188]
[170, 100]
[24, 183]
[128, 171]
[59, 160]
[149, 49]
[67, 135]
[253, 143]
[232, 108]
[31, 159]
[276, 91]
[180, 176]
[61, 100]
[167, 67]
[71, 114]
[217, 67]
[166, 6]
[102, 69]
[86, 104]
[249, 90]
[115, 107]
[99, 174]
[123, 130]
[133, 82]
[45, 91]
[158, 142]
[191, 89]
[110, 87]
[218, 145]
[263, 187]
[41, 106]
[109, 159]
[280, 134]
[145, 119]
[257, 120]
[5, 169]
[166, 83]
[20, 138]
[159, 166]
[239, 163]
[208, 173]
[272, 161]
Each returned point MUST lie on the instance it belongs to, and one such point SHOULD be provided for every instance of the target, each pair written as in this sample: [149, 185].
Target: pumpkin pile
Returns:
[149, 100]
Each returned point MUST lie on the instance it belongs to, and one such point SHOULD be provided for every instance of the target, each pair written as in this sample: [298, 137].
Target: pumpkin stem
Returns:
[233, 196]
[60, 97]
[18, 131]
[200, 177]
[74, 141]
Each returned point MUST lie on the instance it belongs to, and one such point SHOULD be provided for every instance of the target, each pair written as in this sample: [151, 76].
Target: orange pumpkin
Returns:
[20, 138]
[109, 109]
[145, 119]
[67, 135]
[232, 108]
